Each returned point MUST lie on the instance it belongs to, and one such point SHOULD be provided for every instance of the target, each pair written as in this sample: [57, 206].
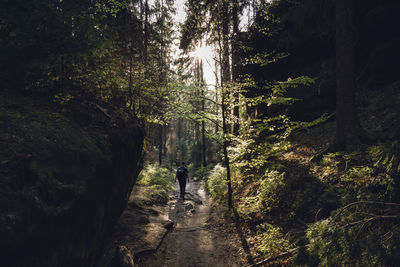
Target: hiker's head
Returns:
[182, 163]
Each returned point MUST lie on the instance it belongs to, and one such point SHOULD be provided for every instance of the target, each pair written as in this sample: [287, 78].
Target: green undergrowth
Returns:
[338, 211]
[364, 229]
[201, 172]
[216, 182]
[160, 179]
[273, 240]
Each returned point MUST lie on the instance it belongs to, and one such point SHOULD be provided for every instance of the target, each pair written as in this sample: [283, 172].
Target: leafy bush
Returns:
[269, 195]
[253, 158]
[216, 183]
[191, 166]
[273, 240]
[248, 207]
[270, 189]
[201, 172]
[153, 174]
[159, 195]
[160, 179]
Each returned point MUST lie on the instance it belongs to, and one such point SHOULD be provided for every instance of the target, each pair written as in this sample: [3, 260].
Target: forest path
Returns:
[193, 242]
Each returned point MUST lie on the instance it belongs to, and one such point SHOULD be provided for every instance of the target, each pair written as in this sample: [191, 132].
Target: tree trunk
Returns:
[225, 79]
[160, 144]
[235, 63]
[226, 156]
[216, 94]
[179, 130]
[203, 124]
[203, 144]
[130, 78]
[62, 86]
[146, 33]
[165, 137]
[347, 123]
[203, 133]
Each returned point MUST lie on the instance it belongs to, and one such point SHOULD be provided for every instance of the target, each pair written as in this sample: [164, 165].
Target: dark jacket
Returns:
[182, 172]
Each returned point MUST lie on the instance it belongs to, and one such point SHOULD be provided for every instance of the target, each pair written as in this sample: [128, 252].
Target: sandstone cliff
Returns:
[65, 178]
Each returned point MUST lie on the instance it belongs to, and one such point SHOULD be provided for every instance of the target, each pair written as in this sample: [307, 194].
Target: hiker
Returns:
[182, 173]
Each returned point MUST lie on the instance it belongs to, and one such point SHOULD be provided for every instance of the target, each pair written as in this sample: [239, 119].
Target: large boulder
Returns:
[63, 182]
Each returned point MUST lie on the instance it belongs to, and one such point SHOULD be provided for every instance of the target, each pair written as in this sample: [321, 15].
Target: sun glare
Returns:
[206, 54]
[203, 52]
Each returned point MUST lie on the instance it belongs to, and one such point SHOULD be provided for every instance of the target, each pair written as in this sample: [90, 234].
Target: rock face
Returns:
[140, 229]
[63, 183]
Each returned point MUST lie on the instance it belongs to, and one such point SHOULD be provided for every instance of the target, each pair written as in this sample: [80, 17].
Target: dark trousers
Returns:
[182, 185]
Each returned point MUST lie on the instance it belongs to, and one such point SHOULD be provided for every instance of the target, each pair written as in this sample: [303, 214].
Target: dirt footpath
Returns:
[193, 241]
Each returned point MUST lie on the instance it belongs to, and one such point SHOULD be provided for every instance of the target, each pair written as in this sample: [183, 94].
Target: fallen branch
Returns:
[277, 257]
[103, 110]
[364, 202]
[367, 220]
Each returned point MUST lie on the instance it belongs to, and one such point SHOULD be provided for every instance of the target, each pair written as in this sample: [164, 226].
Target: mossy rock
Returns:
[61, 181]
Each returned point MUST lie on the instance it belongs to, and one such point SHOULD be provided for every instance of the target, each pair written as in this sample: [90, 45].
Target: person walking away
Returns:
[182, 174]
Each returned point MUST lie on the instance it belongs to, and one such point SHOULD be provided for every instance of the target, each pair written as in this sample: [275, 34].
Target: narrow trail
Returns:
[193, 242]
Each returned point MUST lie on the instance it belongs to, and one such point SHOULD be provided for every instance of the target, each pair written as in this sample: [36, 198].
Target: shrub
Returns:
[268, 197]
[161, 181]
[153, 174]
[216, 183]
[269, 194]
[273, 241]
[201, 172]
[248, 207]
[159, 195]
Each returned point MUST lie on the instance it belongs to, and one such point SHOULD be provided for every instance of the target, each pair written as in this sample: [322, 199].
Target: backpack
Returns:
[181, 173]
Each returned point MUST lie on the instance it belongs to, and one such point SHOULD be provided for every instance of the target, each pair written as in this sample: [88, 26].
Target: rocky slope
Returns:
[65, 178]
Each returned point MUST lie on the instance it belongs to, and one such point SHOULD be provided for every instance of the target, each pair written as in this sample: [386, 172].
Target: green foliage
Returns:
[159, 177]
[216, 183]
[306, 125]
[265, 58]
[89, 51]
[273, 240]
[366, 174]
[161, 180]
[276, 97]
[358, 172]
[386, 157]
[357, 236]
[268, 196]
[270, 190]
[319, 246]
[55, 42]
[280, 88]
[275, 91]
[202, 172]
[192, 29]
[254, 158]
[364, 231]
[249, 207]
[159, 195]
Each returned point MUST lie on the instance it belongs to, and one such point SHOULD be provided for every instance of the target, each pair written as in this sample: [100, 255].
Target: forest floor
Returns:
[185, 233]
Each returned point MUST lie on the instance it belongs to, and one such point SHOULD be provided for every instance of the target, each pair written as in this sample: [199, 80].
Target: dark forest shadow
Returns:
[242, 237]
